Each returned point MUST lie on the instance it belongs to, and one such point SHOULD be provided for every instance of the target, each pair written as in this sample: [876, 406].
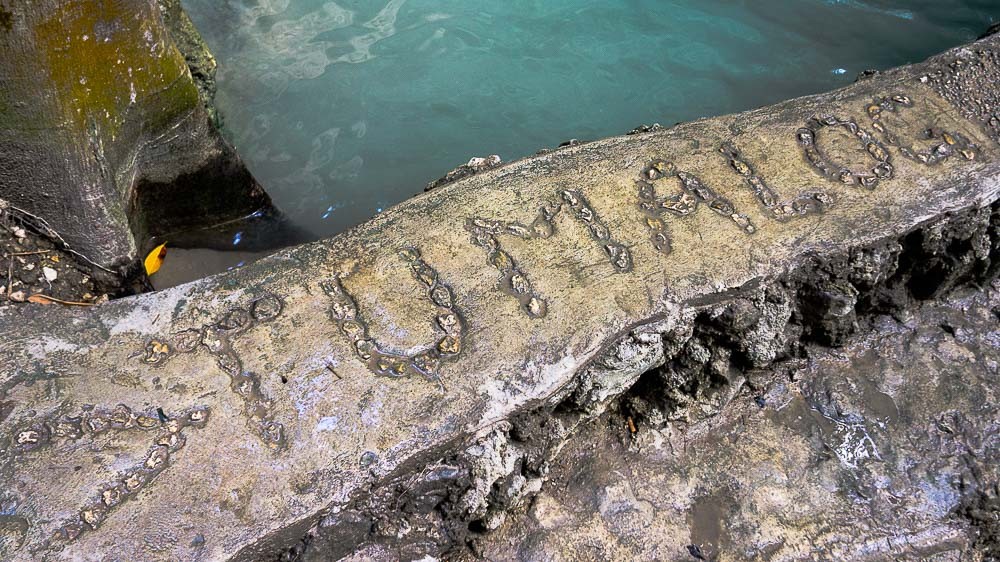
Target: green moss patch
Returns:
[107, 62]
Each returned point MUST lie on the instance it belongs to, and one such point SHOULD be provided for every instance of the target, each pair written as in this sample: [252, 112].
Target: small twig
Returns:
[27, 253]
[329, 367]
[60, 301]
[42, 224]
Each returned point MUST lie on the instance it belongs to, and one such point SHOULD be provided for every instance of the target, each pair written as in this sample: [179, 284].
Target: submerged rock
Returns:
[103, 134]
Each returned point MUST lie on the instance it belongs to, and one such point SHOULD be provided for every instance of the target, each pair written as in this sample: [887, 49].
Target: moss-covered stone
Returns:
[199, 58]
[103, 132]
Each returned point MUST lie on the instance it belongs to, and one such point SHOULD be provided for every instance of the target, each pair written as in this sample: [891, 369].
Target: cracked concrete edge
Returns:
[260, 402]
[793, 493]
[684, 368]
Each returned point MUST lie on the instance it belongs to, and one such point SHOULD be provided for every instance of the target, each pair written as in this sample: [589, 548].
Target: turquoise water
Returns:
[344, 108]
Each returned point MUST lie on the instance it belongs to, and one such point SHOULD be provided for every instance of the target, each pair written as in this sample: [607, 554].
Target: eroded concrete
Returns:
[403, 352]
[884, 449]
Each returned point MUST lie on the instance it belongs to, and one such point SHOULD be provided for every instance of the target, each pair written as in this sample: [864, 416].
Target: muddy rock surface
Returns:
[885, 448]
[401, 390]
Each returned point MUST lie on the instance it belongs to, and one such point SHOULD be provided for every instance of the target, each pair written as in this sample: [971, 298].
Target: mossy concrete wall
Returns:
[102, 131]
[234, 417]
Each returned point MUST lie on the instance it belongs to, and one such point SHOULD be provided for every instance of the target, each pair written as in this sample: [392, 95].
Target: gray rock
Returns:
[103, 134]
[883, 449]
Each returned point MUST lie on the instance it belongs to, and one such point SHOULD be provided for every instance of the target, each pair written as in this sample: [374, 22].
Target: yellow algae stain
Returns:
[108, 59]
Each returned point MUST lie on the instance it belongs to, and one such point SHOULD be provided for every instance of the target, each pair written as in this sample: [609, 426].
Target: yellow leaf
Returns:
[155, 259]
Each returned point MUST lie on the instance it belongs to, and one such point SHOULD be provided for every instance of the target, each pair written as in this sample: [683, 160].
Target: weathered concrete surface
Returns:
[102, 131]
[301, 397]
[885, 449]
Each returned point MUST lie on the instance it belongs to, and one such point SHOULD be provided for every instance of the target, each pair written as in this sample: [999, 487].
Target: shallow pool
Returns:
[344, 108]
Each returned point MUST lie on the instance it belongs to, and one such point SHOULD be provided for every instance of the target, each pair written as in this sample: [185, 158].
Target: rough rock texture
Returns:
[884, 449]
[967, 81]
[399, 389]
[474, 166]
[103, 134]
[665, 375]
[200, 60]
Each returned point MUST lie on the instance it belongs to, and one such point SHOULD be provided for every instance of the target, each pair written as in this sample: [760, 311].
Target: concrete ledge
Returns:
[883, 449]
[255, 412]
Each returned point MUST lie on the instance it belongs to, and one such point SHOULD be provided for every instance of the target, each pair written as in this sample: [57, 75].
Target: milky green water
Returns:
[345, 108]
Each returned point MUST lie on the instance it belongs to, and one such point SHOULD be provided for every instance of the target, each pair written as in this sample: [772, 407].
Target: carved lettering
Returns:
[426, 363]
[618, 254]
[169, 441]
[514, 281]
[693, 192]
[881, 170]
[806, 203]
[945, 144]
[89, 425]
[217, 338]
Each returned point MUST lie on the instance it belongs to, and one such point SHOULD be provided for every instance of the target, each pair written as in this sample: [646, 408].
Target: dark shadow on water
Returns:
[200, 253]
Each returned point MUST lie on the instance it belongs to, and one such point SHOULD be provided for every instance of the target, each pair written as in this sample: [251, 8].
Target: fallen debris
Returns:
[33, 265]
[473, 167]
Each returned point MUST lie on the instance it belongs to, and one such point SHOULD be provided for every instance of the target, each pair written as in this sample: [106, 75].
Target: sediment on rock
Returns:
[37, 266]
[824, 301]
[883, 448]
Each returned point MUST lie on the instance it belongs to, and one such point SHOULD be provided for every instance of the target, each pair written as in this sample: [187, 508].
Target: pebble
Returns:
[33, 264]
